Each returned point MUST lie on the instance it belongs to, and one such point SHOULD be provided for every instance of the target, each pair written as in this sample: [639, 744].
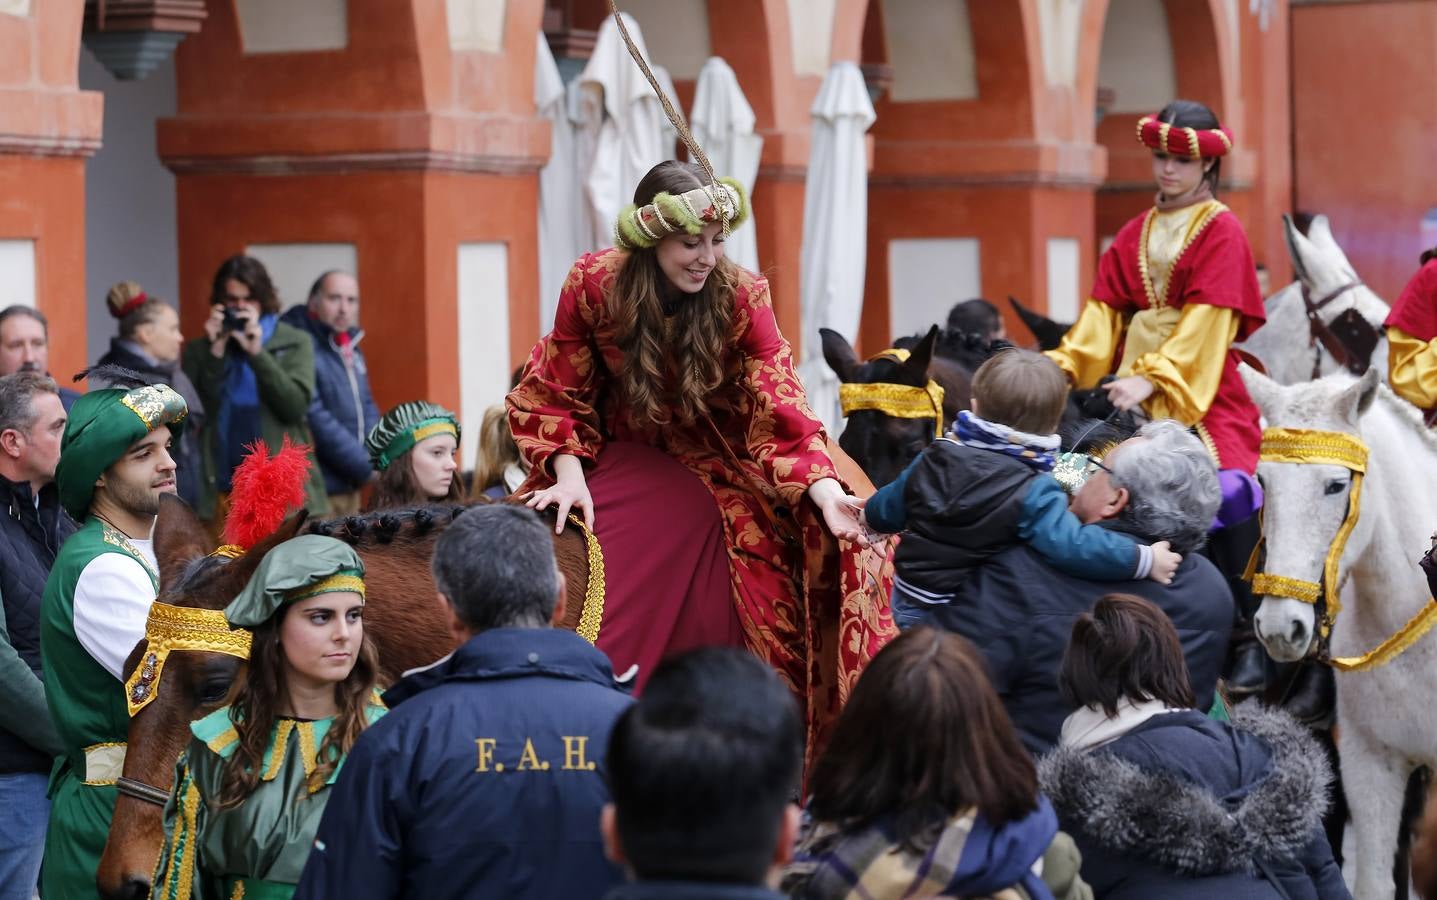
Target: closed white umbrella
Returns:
[835, 230]
[722, 123]
[633, 134]
[563, 217]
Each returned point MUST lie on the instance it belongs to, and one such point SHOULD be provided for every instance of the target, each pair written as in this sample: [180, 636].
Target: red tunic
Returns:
[816, 610]
[1215, 269]
[1415, 311]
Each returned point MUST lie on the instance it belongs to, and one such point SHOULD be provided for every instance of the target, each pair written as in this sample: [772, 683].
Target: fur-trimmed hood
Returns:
[1168, 793]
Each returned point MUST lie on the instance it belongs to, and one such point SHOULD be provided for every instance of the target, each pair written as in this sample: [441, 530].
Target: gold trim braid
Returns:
[591, 618]
[340, 581]
[179, 628]
[901, 401]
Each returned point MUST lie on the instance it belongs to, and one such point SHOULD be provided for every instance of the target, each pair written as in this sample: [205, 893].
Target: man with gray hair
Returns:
[1160, 485]
[486, 778]
[32, 422]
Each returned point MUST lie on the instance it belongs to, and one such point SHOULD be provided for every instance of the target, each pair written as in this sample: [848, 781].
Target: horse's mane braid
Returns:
[387, 525]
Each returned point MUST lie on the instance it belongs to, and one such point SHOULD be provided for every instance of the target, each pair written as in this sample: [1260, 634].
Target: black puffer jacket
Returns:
[29, 539]
[1183, 807]
[964, 505]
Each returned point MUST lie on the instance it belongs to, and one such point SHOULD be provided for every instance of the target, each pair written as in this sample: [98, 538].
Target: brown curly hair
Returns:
[256, 709]
[671, 363]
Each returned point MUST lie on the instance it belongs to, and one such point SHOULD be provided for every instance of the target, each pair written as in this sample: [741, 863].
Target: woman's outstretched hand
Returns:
[841, 511]
[570, 492]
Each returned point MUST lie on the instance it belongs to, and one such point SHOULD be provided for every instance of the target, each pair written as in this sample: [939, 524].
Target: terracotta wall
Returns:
[47, 128]
[1364, 82]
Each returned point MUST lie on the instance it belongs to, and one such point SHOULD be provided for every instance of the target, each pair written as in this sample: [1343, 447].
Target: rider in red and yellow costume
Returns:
[1174, 291]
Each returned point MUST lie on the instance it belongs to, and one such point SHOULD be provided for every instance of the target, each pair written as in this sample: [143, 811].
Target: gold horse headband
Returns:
[179, 628]
[901, 401]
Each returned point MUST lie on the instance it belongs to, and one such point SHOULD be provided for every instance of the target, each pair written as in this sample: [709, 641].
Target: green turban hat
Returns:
[298, 569]
[404, 426]
[103, 425]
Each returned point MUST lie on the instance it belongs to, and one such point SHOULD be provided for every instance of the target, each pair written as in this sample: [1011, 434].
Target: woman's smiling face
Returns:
[688, 259]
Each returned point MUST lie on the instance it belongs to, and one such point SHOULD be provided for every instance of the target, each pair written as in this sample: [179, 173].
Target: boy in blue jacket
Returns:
[987, 485]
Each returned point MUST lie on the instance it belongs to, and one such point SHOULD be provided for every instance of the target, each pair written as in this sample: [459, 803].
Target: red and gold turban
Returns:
[1192, 143]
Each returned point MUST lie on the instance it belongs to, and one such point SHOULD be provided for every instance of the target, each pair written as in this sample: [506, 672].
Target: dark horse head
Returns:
[880, 443]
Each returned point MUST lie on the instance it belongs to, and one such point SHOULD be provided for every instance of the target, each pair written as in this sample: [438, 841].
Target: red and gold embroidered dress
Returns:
[815, 610]
[1173, 293]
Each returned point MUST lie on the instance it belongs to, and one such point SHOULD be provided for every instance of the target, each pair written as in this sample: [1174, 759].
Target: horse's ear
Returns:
[1300, 249]
[1319, 235]
[1365, 390]
[1048, 333]
[839, 354]
[243, 567]
[1264, 390]
[921, 356]
[179, 537]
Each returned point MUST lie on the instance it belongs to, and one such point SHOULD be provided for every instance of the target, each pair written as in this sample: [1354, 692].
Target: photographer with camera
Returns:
[256, 376]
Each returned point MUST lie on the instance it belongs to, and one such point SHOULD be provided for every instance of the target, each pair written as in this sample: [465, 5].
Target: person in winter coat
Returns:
[255, 375]
[150, 343]
[1160, 486]
[486, 779]
[1166, 802]
[924, 790]
[968, 496]
[342, 411]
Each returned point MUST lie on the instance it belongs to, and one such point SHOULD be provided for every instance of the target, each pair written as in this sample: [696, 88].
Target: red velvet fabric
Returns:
[1415, 312]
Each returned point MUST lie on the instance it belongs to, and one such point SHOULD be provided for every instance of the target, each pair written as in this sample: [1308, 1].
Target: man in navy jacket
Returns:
[487, 777]
[342, 411]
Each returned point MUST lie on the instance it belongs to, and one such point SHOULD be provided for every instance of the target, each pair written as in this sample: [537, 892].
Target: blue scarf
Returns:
[1037, 450]
[241, 386]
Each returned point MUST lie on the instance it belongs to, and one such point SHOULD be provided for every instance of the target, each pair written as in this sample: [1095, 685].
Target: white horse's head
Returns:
[1306, 503]
[1321, 265]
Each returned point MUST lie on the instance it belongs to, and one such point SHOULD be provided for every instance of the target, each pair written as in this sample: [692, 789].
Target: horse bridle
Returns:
[1321, 336]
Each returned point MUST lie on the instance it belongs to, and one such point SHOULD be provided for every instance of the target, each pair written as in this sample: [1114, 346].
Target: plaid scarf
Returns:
[1037, 450]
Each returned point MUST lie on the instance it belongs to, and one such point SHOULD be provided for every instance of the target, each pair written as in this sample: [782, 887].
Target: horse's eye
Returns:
[214, 691]
[1335, 487]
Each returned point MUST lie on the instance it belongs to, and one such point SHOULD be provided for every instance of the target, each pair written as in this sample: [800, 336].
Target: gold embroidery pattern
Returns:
[282, 728]
[117, 538]
[333, 584]
[156, 405]
[309, 753]
[170, 628]
[1211, 209]
[592, 618]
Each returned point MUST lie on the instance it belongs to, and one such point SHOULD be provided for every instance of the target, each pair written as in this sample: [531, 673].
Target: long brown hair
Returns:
[397, 487]
[923, 737]
[671, 363]
[255, 710]
[496, 451]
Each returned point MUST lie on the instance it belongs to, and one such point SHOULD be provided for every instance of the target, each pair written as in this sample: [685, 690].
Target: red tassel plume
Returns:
[264, 490]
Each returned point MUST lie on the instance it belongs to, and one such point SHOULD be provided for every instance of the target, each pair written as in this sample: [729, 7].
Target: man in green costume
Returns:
[114, 465]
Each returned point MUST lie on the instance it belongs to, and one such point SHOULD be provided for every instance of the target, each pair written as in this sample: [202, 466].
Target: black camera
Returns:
[233, 320]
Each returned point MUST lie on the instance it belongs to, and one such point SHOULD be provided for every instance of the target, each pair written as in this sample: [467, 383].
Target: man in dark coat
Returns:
[32, 527]
[343, 410]
[1159, 486]
[486, 778]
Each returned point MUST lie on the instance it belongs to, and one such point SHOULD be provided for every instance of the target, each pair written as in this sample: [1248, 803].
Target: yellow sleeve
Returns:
[1186, 369]
[1412, 368]
[1087, 350]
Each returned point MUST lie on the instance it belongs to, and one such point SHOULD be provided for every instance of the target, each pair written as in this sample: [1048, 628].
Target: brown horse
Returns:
[403, 617]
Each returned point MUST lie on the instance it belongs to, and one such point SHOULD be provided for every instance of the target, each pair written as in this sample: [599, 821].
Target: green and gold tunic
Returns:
[255, 850]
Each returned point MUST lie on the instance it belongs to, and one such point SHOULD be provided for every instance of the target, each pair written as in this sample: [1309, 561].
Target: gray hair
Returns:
[496, 566]
[1173, 491]
[17, 398]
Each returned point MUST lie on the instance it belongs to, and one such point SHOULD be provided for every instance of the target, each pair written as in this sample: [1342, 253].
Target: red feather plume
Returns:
[264, 490]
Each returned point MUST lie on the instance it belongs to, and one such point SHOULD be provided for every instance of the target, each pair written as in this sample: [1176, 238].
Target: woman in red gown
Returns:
[663, 352]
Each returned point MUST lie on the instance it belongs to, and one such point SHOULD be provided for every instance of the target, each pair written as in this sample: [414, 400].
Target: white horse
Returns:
[1385, 713]
[1283, 344]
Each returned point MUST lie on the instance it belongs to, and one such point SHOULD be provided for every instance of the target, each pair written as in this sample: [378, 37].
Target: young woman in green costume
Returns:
[254, 782]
